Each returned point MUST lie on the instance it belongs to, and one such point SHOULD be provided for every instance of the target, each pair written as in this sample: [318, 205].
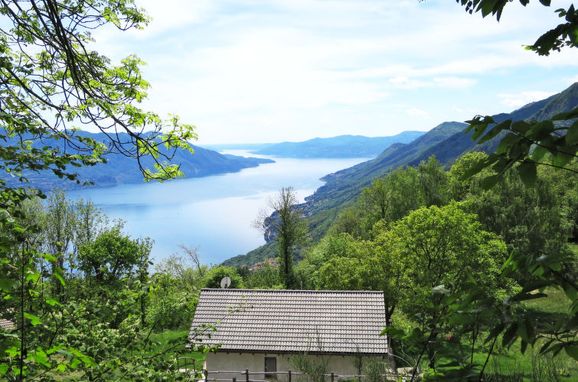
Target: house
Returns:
[266, 331]
[6, 325]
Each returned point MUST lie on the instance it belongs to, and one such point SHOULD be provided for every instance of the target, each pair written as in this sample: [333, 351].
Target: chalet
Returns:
[265, 330]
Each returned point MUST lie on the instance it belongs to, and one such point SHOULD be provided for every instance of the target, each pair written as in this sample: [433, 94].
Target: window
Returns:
[270, 367]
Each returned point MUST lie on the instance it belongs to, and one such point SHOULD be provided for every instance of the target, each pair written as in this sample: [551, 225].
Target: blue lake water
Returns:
[215, 214]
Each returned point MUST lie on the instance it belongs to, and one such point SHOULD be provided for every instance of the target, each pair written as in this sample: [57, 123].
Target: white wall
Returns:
[236, 363]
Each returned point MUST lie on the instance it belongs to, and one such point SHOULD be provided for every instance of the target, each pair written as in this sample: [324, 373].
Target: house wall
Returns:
[236, 363]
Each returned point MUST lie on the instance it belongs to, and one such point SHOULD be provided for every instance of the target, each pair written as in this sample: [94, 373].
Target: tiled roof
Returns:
[6, 324]
[292, 321]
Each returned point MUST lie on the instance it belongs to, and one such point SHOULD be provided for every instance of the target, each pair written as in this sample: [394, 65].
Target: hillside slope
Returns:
[447, 142]
[343, 146]
[121, 170]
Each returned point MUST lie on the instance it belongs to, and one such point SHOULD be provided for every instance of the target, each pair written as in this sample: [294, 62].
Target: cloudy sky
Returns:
[288, 70]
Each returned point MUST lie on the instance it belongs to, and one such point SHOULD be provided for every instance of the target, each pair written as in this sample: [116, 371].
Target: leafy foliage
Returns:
[216, 274]
[288, 229]
[53, 83]
[551, 140]
[443, 259]
[93, 319]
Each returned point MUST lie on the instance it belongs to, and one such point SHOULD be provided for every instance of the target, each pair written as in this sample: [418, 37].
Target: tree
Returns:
[213, 277]
[52, 83]
[443, 252]
[89, 223]
[393, 196]
[287, 227]
[551, 141]
[340, 261]
[59, 234]
[113, 256]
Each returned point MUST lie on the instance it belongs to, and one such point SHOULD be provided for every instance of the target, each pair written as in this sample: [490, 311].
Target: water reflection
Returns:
[214, 214]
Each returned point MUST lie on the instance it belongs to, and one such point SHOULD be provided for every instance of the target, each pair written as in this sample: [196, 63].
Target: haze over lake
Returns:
[213, 214]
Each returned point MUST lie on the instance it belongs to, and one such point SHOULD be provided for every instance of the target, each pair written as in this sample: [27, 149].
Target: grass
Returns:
[556, 302]
[168, 339]
[511, 365]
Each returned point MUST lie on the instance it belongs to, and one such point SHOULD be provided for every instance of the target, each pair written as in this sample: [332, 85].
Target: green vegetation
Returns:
[468, 273]
[443, 257]
[447, 142]
[287, 229]
[479, 282]
[548, 138]
[92, 308]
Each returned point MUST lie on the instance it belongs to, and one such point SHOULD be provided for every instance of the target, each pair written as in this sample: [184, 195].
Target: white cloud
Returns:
[454, 82]
[248, 69]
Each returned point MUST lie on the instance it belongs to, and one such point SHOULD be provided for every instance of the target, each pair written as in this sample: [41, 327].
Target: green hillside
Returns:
[446, 142]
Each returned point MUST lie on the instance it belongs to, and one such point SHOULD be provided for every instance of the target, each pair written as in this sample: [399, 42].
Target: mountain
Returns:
[447, 142]
[120, 170]
[343, 146]
[237, 146]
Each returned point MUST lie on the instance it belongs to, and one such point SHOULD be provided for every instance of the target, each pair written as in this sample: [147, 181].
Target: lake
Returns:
[214, 214]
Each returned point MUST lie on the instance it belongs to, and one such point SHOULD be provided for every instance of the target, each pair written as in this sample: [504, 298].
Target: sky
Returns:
[251, 71]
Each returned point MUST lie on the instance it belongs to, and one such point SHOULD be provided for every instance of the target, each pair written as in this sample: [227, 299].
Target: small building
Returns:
[268, 331]
[7, 325]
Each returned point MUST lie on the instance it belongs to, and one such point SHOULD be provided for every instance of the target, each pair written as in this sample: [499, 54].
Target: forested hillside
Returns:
[457, 262]
[446, 142]
[120, 169]
[471, 234]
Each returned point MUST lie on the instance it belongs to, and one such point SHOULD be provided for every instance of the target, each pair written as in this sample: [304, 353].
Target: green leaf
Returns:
[546, 346]
[49, 257]
[528, 173]
[34, 320]
[495, 131]
[539, 153]
[39, 356]
[572, 134]
[59, 277]
[33, 277]
[6, 284]
[3, 369]
[561, 159]
[52, 302]
[510, 335]
[572, 351]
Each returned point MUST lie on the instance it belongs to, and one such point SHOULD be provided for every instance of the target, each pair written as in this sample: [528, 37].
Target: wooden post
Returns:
[289, 376]
[247, 375]
[332, 377]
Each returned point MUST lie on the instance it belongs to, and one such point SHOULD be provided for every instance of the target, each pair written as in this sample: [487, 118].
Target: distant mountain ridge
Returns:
[447, 142]
[342, 146]
[122, 170]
